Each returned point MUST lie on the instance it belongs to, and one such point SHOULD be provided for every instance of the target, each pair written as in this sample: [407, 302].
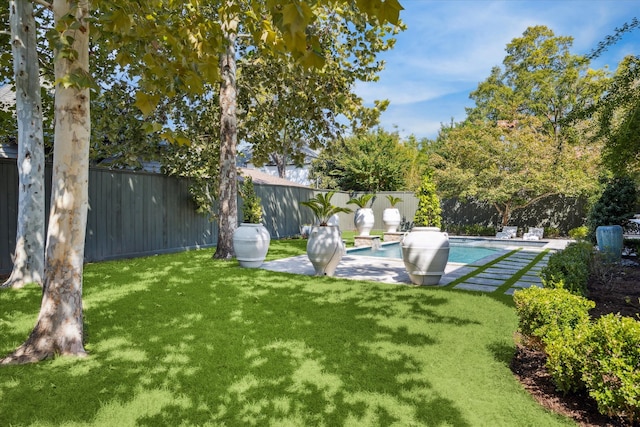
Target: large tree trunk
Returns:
[28, 262]
[59, 329]
[228, 192]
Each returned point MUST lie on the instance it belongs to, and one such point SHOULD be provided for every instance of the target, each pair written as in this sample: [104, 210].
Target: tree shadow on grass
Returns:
[186, 340]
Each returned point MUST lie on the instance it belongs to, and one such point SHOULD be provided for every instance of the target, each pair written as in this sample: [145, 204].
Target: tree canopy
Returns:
[541, 78]
[371, 162]
[521, 141]
[509, 167]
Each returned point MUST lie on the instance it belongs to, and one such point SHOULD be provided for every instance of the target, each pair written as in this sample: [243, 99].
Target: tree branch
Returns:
[43, 3]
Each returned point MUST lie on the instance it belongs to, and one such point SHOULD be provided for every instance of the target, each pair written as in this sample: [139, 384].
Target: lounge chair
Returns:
[507, 233]
[533, 234]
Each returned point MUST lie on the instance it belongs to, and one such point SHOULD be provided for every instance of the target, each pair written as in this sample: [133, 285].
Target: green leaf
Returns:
[146, 102]
[389, 11]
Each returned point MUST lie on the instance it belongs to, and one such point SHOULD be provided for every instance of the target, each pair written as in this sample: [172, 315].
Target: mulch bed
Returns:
[620, 294]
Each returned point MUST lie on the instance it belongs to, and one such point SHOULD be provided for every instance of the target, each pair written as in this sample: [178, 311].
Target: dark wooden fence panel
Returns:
[130, 214]
[8, 212]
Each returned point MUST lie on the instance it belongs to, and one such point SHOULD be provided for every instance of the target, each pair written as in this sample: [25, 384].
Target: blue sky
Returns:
[451, 45]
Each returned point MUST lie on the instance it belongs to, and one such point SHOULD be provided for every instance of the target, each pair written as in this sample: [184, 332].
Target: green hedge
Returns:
[611, 369]
[601, 356]
[569, 269]
[546, 313]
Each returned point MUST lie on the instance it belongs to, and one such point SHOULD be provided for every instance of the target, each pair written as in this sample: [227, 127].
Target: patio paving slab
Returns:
[502, 276]
[484, 281]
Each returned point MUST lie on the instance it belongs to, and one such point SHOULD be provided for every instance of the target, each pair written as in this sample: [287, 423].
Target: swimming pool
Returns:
[463, 252]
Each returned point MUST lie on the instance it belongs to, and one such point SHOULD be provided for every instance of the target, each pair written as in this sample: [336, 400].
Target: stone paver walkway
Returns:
[491, 274]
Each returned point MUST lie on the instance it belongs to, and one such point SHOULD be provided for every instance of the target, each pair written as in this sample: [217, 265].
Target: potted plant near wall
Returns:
[391, 216]
[325, 247]
[425, 250]
[363, 218]
[251, 240]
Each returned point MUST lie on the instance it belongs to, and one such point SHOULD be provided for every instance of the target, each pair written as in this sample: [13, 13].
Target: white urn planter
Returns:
[391, 219]
[251, 244]
[364, 220]
[325, 249]
[425, 252]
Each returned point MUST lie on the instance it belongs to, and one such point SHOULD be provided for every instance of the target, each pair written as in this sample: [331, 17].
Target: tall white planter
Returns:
[364, 220]
[325, 249]
[425, 252]
[391, 219]
[251, 244]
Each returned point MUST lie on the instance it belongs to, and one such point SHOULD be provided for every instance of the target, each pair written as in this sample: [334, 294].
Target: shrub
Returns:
[251, 207]
[566, 357]
[615, 206]
[545, 314]
[551, 232]
[612, 366]
[579, 233]
[429, 213]
[569, 269]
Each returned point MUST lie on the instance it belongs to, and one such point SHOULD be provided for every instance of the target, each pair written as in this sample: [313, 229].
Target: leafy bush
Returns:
[551, 232]
[566, 357]
[612, 366]
[545, 314]
[251, 207]
[579, 233]
[429, 213]
[616, 204]
[569, 268]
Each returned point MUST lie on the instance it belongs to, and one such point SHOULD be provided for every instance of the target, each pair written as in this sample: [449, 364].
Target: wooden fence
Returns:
[135, 213]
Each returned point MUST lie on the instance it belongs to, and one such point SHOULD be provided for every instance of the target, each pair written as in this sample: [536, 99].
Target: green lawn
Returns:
[182, 340]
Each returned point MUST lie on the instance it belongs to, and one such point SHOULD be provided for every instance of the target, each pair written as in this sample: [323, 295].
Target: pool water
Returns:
[458, 252]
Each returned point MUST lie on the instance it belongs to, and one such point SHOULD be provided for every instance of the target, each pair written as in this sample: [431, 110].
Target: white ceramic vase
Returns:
[364, 220]
[425, 252]
[251, 244]
[391, 219]
[325, 249]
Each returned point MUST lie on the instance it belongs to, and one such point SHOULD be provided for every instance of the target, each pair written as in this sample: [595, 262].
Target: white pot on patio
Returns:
[425, 252]
[325, 249]
[251, 244]
[391, 219]
[364, 220]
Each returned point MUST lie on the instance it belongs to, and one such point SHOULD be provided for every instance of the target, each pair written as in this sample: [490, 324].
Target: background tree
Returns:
[616, 205]
[618, 115]
[510, 168]
[541, 78]
[372, 162]
[28, 260]
[522, 141]
[286, 106]
[120, 134]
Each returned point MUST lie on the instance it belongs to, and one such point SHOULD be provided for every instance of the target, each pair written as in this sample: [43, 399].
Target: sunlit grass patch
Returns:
[183, 339]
